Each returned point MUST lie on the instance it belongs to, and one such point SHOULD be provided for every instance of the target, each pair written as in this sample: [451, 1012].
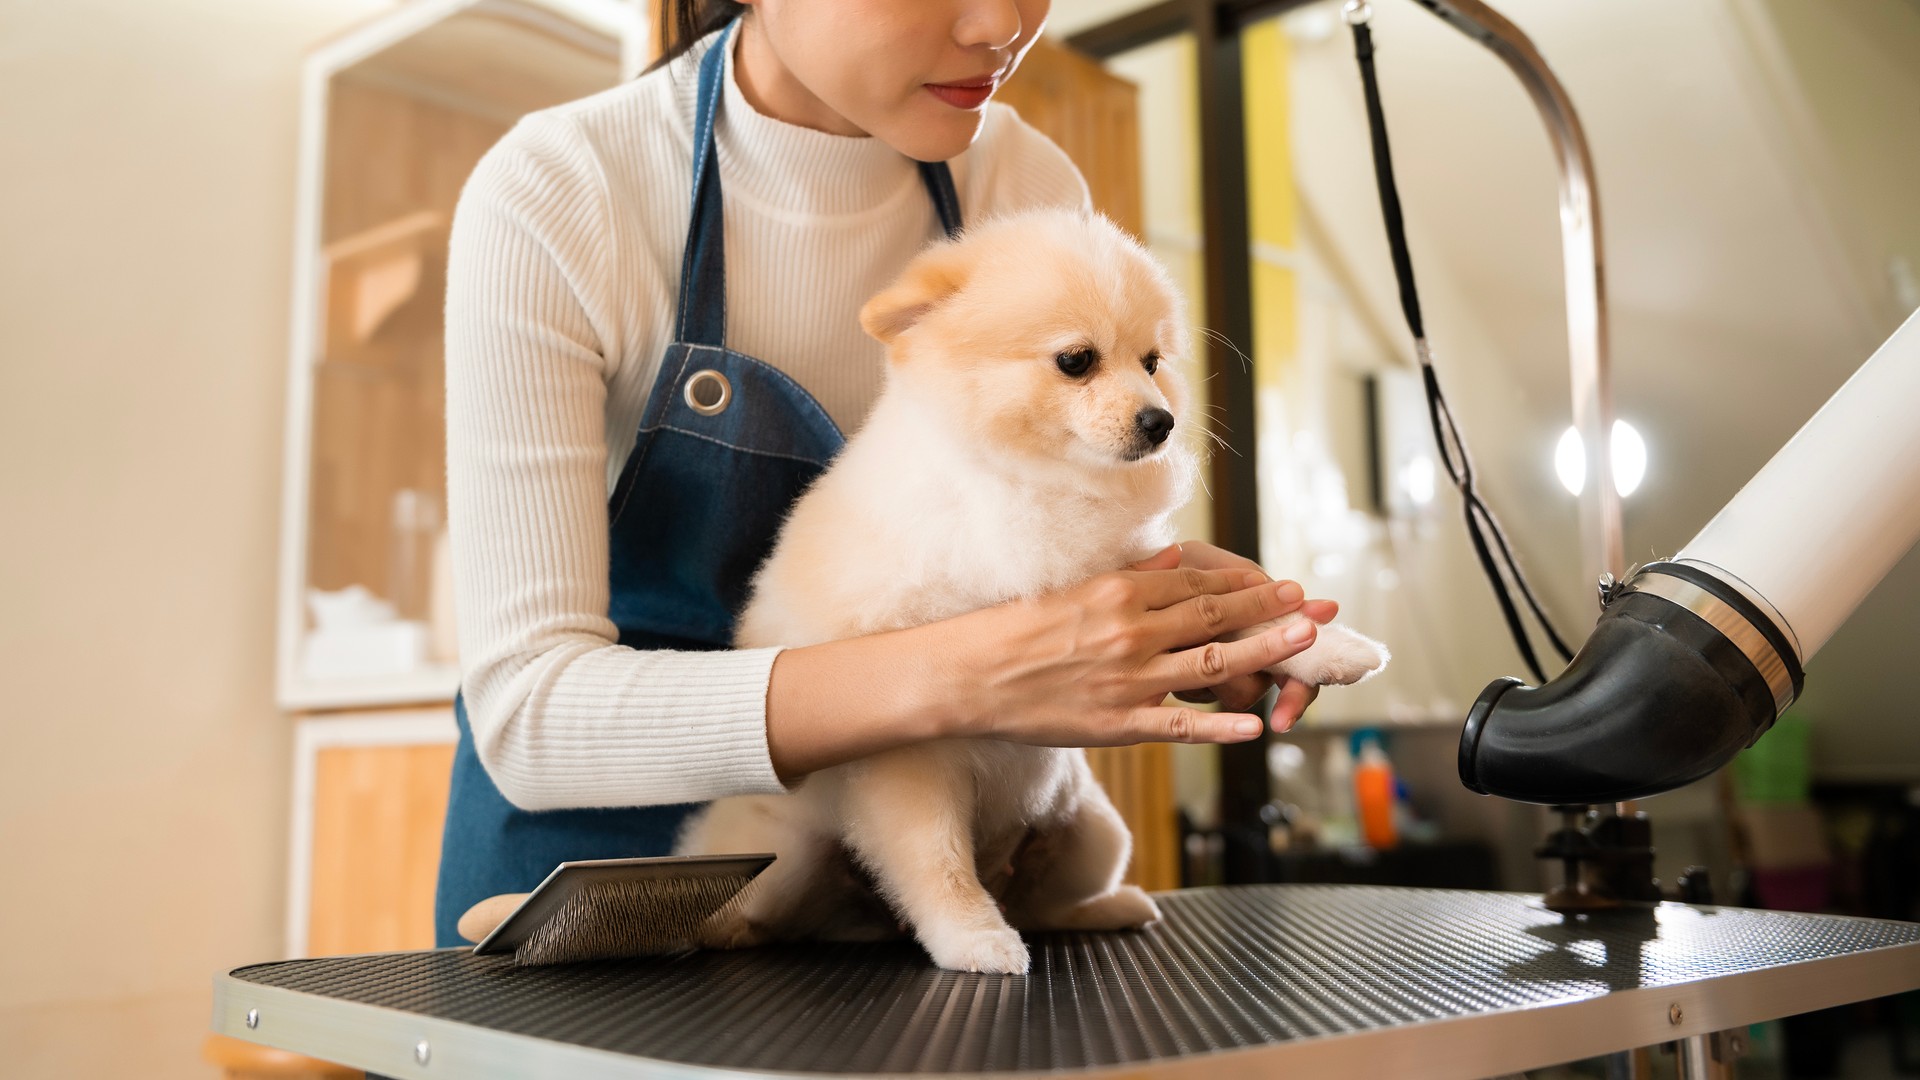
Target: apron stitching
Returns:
[735, 446]
[646, 448]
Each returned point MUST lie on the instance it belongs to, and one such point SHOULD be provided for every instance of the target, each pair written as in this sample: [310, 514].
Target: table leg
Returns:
[1710, 1057]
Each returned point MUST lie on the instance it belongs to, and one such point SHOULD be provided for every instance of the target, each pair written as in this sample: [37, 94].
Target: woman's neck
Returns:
[773, 91]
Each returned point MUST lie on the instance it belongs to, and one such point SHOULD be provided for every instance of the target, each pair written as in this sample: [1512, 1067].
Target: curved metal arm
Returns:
[1602, 550]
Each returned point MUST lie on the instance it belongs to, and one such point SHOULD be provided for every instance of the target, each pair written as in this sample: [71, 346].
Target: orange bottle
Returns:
[1373, 797]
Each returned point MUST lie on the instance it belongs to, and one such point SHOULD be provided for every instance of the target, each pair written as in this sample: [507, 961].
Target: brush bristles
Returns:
[611, 920]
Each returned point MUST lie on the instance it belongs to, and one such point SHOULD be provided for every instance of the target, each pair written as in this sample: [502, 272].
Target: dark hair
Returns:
[683, 22]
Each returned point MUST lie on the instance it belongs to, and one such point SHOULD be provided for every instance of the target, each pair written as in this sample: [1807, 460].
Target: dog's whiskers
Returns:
[1246, 362]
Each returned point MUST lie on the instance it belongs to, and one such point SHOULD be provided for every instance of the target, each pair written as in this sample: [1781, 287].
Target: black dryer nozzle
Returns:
[1681, 672]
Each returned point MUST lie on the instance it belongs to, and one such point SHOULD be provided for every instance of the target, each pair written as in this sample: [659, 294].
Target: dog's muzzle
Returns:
[1153, 425]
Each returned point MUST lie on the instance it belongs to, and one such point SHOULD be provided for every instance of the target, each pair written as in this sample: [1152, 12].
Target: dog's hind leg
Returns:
[909, 820]
[1068, 878]
[777, 904]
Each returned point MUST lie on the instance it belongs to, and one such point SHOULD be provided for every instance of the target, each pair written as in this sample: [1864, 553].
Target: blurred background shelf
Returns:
[395, 114]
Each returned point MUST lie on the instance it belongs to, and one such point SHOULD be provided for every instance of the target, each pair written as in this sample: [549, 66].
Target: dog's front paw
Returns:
[996, 952]
[1339, 656]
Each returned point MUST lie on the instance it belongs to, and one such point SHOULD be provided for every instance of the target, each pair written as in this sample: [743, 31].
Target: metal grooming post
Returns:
[1602, 549]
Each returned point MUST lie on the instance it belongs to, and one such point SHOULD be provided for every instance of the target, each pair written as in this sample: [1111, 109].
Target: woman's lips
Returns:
[970, 94]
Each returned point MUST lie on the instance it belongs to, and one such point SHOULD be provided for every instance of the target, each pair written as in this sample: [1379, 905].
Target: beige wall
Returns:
[148, 196]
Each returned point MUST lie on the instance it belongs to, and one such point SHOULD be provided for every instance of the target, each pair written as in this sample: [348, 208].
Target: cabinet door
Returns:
[1094, 116]
[396, 115]
[376, 797]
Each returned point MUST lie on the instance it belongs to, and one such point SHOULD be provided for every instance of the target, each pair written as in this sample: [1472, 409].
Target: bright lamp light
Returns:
[1629, 459]
[1417, 477]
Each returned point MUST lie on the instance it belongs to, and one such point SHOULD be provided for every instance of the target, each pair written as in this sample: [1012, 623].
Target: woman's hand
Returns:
[1241, 693]
[1092, 666]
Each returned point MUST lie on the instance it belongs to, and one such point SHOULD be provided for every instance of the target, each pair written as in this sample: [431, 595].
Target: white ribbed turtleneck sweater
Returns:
[561, 287]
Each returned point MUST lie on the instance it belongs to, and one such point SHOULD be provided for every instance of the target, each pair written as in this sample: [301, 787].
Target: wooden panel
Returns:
[379, 388]
[377, 814]
[1139, 780]
[1093, 115]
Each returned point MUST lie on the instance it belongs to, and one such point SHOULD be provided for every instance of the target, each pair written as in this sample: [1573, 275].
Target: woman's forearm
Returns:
[832, 703]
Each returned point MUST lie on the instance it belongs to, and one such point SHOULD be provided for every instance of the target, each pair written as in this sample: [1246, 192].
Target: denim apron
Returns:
[726, 445]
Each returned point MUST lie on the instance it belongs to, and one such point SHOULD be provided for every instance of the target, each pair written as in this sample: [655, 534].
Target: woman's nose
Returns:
[995, 24]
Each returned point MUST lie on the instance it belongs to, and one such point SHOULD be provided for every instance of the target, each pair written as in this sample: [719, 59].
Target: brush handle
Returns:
[482, 917]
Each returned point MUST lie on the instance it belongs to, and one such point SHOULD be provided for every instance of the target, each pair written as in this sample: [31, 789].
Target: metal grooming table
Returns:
[1275, 980]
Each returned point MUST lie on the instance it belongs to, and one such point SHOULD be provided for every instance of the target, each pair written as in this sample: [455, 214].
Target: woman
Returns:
[602, 325]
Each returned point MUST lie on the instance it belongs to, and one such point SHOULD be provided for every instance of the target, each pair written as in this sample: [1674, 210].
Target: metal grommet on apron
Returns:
[726, 444]
[708, 392]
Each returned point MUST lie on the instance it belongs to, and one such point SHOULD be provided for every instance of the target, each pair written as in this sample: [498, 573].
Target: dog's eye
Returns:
[1076, 363]
[1152, 362]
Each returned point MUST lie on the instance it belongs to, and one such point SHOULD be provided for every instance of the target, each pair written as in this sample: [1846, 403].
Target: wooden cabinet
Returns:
[370, 797]
[395, 115]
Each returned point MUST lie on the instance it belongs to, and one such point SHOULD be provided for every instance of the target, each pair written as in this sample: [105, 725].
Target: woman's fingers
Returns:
[1155, 589]
[1167, 558]
[1236, 695]
[1211, 615]
[1177, 723]
[1205, 556]
[1240, 694]
[1216, 662]
[1321, 611]
[1293, 700]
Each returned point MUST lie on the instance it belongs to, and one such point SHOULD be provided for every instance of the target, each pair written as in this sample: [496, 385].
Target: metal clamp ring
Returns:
[1732, 625]
[706, 377]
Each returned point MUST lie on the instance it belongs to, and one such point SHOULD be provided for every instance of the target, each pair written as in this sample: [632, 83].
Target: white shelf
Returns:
[433, 684]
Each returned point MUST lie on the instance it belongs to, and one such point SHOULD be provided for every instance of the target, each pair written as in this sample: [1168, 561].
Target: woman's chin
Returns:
[933, 130]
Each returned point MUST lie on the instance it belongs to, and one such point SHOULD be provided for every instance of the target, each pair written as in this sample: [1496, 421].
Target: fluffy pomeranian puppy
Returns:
[1028, 437]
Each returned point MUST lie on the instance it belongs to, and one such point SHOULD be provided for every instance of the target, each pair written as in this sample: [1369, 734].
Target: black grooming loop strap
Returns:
[1496, 558]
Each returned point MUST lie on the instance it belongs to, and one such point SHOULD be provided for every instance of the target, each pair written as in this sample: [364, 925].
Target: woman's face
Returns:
[915, 74]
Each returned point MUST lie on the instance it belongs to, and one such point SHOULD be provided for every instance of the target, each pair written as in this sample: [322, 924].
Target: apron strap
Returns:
[939, 181]
[703, 271]
[702, 316]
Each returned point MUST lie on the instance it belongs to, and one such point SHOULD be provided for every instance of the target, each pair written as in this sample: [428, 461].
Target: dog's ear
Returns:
[929, 280]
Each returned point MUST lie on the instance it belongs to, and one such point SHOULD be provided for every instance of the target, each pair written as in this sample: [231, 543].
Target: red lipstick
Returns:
[965, 93]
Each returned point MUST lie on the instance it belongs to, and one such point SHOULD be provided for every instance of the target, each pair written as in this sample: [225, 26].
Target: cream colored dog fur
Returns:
[985, 472]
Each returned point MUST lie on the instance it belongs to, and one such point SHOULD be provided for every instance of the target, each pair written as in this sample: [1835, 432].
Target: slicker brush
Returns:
[608, 909]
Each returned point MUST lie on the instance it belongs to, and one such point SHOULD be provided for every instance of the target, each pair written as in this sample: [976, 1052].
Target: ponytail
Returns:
[683, 22]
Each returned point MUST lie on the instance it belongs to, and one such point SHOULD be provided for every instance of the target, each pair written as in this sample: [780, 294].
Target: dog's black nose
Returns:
[1154, 424]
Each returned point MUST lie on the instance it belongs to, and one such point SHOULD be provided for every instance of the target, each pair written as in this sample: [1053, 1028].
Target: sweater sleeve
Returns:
[562, 715]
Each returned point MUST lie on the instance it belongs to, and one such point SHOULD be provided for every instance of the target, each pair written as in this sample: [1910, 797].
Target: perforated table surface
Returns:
[1293, 980]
